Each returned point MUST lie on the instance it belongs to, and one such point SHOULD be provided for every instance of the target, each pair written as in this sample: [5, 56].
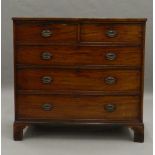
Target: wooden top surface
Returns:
[82, 19]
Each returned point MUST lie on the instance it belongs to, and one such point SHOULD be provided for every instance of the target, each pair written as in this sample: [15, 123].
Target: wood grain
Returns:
[75, 55]
[126, 80]
[77, 107]
[31, 32]
[91, 20]
[97, 33]
[78, 92]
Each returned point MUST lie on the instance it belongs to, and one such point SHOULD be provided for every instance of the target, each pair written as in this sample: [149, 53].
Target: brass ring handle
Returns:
[111, 56]
[47, 107]
[47, 79]
[110, 107]
[111, 33]
[46, 55]
[46, 33]
[110, 80]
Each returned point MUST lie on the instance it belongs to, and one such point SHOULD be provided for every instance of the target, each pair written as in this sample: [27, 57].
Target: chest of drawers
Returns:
[79, 71]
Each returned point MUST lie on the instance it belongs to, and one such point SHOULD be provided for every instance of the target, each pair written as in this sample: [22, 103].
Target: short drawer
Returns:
[128, 33]
[65, 107]
[78, 79]
[45, 32]
[71, 55]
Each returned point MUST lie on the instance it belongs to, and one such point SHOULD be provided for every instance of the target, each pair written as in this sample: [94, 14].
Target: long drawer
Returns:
[81, 55]
[78, 79]
[62, 107]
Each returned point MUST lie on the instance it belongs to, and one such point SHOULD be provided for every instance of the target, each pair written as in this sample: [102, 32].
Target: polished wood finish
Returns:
[77, 107]
[79, 71]
[75, 55]
[138, 132]
[65, 79]
[18, 130]
[97, 33]
[85, 20]
[61, 32]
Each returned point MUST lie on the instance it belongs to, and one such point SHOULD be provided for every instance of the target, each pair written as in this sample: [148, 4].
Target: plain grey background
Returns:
[61, 144]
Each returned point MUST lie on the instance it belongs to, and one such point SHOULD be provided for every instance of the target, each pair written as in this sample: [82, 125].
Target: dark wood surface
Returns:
[77, 107]
[66, 79]
[60, 32]
[69, 32]
[102, 20]
[75, 55]
[78, 67]
[97, 33]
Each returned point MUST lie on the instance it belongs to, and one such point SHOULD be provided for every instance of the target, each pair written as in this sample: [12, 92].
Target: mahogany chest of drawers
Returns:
[79, 71]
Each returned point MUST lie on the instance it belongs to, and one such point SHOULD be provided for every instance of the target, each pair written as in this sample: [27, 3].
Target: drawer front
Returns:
[42, 32]
[111, 33]
[70, 55]
[61, 107]
[61, 79]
